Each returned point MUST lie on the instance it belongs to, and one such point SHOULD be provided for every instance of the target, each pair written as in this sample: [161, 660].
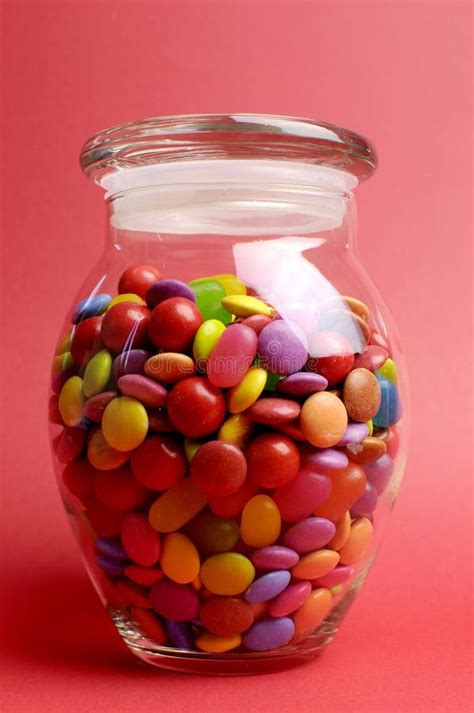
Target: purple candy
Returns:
[164, 289]
[379, 472]
[111, 547]
[130, 362]
[309, 534]
[302, 383]
[180, 634]
[282, 347]
[274, 557]
[269, 634]
[268, 586]
[355, 433]
[366, 504]
[329, 458]
[338, 575]
[112, 567]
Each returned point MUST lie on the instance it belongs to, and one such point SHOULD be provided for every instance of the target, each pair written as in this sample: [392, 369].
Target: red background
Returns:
[400, 73]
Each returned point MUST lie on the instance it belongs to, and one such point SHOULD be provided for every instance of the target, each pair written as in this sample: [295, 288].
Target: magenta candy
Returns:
[328, 458]
[303, 383]
[310, 534]
[148, 392]
[291, 599]
[355, 433]
[366, 504]
[268, 586]
[274, 557]
[379, 472]
[232, 356]
[174, 601]
[339, 575]
[372, 358]
[164, 289]
[95, 406]
[301, 496]
[269, 634]
[282, 347]
[140, 541]
[131, 361]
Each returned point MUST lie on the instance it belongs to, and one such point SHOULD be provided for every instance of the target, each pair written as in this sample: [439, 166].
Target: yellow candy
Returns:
[127, 297]
[246, 306]
[125, 423]
[389, 370]
[71, 401]
[243, 395]
[370, 424]
[227, 573]
[101, 455]
[358, 541]
[231, 284]
[97, 373]
[176, 506]
[236, 429]
[61, 362]
[312, 613]
[218, 644]
[207, 337]
[190, 448]
[179, 558]
[261, 522]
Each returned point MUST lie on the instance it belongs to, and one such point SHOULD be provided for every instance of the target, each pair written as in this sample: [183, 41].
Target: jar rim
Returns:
[191, 137]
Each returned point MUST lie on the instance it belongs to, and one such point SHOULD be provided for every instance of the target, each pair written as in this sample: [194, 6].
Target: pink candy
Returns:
[232, 356]
[302, 495]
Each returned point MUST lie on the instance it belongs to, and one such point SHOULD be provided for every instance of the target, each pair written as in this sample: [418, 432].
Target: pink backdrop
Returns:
[398, 72]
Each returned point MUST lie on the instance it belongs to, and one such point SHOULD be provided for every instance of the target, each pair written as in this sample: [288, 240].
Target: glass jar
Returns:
[228, 405]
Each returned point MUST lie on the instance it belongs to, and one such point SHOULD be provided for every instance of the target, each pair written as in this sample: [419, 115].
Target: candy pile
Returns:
[225, 465]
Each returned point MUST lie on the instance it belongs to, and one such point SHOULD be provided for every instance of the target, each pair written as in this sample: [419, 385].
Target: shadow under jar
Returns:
[228, 406]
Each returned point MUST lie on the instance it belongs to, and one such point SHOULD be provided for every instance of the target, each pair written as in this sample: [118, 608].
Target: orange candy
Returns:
[358, 541]
[348, 484]
[312, 613]
[315, 564]
[343, 530]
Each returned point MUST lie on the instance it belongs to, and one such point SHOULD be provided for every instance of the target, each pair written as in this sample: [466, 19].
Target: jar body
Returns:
[229, 433]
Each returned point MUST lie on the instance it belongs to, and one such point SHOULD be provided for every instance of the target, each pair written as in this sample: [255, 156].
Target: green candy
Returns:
[272, 381]
[209, 294]
[388, 370]
[97, 373]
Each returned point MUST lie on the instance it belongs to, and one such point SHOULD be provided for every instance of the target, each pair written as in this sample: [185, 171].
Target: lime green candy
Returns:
[97, 373]
[388, 370]
[124, 423]
[71, 401]
[209, 294]
[207, 337]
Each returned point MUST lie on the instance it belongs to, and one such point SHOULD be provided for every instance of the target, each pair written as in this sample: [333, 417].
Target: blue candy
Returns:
[390, 408]
[91, 307]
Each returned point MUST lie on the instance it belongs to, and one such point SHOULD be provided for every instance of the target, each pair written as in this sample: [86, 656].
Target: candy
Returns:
[366, 504]
[209, 297]
[174, 323]
[261, 522]
[323, 419]
[179, 558]
[97, 373]
[389, 411]
[211, 533]
[246, 306]
[196, 407]
[226, 616]
[298, 498]
[388, 370]
[111, 567]
[272, 460]
[124, 423]
[70, 444]
[146, 576]
[158, 421]
[111, 547]
[95, 406]
[137, 279]
[237, 429]
[206, 339]
[158, 463]
[169, 367]
[315, 564]
[361, 395]
[257, 322]
[217, 644]
[339, 575]
[328, 459]
[231, 284]
[228, 573]
[133, 594]
[232, 356]
[291, 599]
[268, 586]
[312, 613]
[180, 634]
[103, 456]
[367, 451]
[218, 468]
[164, 289]
[131, 361]
[126, 297]
[274, 557]
[78, 477]
[272, 411]
[354, 433]
[282, 347]
[71, 401]
[357, 307]
[174, 601]
[348, 484]
[140, 541]
[103, 521]
[176, 507]
[269, 634]
[233, 504]
[302, 384]
[372, 358]
[148, 392]
[125, 326]
[247, 391]
[332, 356]
[379, 472]
[118, 490]
[86, 339]
[92, 306]
[309, 534]
[343, 529]
[149, 625]
[358, 542]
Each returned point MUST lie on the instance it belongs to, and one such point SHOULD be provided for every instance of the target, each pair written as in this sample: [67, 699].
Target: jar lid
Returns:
[173, 139]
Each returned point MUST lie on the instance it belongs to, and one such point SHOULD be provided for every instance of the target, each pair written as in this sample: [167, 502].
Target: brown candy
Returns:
[361, 395]
[367, 451]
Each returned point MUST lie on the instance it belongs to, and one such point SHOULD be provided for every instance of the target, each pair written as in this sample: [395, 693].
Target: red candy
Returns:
[140, 541]
[226, 616]
[372, 358]
[158, 421]
[70, 444]
[333, 356]
[137, 279]
[218, 468]
[78, 477]
[95, 406]
[124, 326]
[118, 490]
[159, 463]
[133, 594]
[196, 408]
[149, 625]
[104, 522]
[174, 323]
[257, 322]
[233, 504]
[177, 602]
[348, 484]
[146, 576]
[86, 340]
[274, 410]
[272, 460]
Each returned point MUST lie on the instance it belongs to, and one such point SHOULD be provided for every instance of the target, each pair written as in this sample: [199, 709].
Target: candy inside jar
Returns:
[228, 407]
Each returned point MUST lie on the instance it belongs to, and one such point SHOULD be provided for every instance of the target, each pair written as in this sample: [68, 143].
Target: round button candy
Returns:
[332, 356]
[303, 383]
[101, 455]
[196, 407]
[141, 542]
[71, 401]
[159, 462]
[169, 367]
[323, 419]
[211, 533]
[361, 395]
[228, 573]
[209, 295]
[274, 557]
[148, 392]
[137, 279]
[179, 558]
[298, 498]
[125, 326]
[269, 634]
[268, 586]
[291, 599]
[118, 490]
[92, 306]
[131, 361]
[218, 468]
[312, 613]
[309, 534]
[261, 522]
[348, 484]
[164, 289]
[174, 323]
[174, 601]
[282, 347]
[86, 340]
[176, 506]
[272, 460]
[232, 356]
[379, 472]
[247, 391]
[273, 411]
[206, 339]
[124, 423]
[226, 616]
